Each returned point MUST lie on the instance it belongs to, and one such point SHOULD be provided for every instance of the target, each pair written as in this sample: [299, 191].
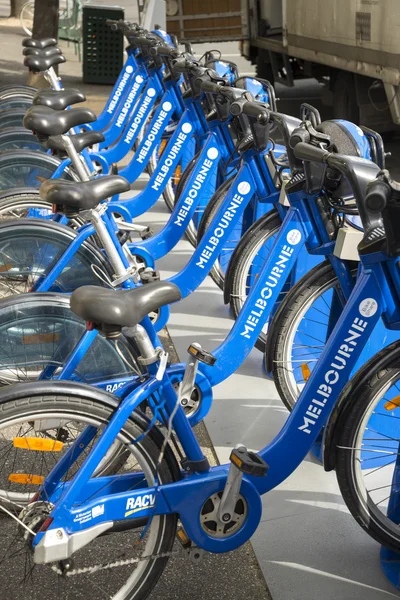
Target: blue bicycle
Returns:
[60, 534]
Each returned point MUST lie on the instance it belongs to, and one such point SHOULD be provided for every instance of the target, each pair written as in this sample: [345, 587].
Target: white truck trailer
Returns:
[352, 46]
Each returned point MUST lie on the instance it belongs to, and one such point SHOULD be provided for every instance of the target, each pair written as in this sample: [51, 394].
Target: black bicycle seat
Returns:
[58, 99]
[46, 122]
[124, 308]
[80, 141]
[83, 195]
[46, 52]
[30, 42]
[38, 64]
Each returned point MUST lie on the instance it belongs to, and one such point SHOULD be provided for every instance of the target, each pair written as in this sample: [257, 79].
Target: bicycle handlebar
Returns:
[209, 86]
[256, 110]
[164, 51]
[140, 40]
[311, 153]
[378, 195]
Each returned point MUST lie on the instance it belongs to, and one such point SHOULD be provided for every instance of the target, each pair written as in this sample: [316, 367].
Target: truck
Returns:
[351, 46]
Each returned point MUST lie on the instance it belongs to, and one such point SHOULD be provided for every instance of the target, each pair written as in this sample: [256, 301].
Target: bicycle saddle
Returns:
[124, 308]
[83, 195]
[37, 64]
[58, 99]
[50, 51]
[45, 121]
[30, 42]
[80, 141]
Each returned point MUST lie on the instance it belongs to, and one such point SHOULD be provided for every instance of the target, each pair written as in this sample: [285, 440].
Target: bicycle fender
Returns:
[338, 417]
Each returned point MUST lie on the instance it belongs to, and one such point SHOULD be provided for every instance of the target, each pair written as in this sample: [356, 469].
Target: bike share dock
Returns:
[307, 541]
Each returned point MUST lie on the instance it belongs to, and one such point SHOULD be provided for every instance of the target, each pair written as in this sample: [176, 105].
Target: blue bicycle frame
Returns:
[376, 294]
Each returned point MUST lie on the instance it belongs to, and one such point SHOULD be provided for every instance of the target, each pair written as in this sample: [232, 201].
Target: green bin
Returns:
[103, 49]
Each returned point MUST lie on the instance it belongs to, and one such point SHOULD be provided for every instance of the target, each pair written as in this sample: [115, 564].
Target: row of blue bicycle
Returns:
[294, 218]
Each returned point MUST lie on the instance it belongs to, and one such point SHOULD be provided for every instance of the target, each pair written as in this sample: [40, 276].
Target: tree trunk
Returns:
[45, 24]
[45, 19]
[16, 6]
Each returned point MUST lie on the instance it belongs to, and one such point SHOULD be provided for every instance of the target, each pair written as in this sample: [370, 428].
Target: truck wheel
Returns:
[345, 99]
[264, 67]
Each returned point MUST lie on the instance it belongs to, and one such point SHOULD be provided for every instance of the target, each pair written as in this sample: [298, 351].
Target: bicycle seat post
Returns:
[79, 165]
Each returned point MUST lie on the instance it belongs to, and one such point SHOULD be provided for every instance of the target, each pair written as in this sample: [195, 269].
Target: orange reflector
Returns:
[41, 444]
[161, 148]
[40, 338]
[5, 268]
[305, 369]
[177, 174]
[26, 479]
[392, 404]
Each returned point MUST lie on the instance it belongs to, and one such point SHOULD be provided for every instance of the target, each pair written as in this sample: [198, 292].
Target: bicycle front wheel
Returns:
[301, 328]
[121, 567]
[367, 450]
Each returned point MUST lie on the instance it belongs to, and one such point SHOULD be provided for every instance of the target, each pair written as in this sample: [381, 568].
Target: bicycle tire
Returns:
[374, 379]
[39, 329]
[305, 294]
[10, 90]
[96, 410]
[12, 117]
[29, 248]
[28, 168]
[27, 21]
[19, 138]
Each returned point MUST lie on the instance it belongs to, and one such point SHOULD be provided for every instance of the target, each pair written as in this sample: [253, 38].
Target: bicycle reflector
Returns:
[38, 444]
[392, 404]
[305, 369]
[26, 479]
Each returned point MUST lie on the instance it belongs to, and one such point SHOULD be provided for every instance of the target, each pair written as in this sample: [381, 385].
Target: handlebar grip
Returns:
[254, 109]
[144, 41]
[164, 51]
[182, 66]
[377, 196]
[311, 153]
[209, 86]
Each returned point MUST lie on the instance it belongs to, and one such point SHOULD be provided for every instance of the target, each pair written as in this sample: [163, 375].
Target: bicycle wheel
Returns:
[301, 328]
[23, 91]
[205, 215]
[18, 204]
[15, 102]
[38, 330]
[25, 168]
[30, 248]
[367, 447]
[19, 138]
[26, 17]
[11, 117]
[246, 263]
[132, 576]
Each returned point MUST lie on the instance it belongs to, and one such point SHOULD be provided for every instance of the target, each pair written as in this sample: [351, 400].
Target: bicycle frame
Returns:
[375, 294]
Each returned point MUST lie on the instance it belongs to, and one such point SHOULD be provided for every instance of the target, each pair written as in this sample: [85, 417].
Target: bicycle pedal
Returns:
[248, 462]
[149, 275]
[202, 355]
[113, 169]
[184, 540]
[146, 233]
